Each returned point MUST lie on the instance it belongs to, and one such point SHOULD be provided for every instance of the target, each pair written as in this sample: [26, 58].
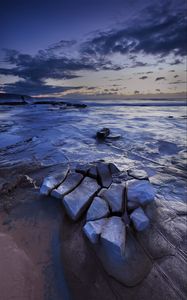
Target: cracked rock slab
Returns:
[104, 175]
[139, 219]
[53, 181]
[114, 196]
[70, 183]
[140, 191]
[92, 230]
[97, 210]
[79, 199]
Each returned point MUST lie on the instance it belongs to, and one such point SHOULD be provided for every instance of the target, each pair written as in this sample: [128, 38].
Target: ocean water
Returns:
[153, 136]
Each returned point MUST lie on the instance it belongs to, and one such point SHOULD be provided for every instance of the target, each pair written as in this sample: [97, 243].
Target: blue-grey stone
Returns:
[104, 175]
[83, 168]
[70, 183]
[92, 172]
[128, 264]
[79, 199]
[92, 230]
[131, 205]
[98, 209]
[139, 219]
[54, 180]
[113, 169]
[113, 236]
[138, 174]
[113, 136]
[114, 195]
[140, 191]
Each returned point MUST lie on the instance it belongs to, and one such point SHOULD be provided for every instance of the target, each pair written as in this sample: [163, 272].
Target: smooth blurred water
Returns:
[51, 135]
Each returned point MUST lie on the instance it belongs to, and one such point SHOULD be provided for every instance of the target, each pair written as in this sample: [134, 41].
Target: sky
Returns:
[93, 48]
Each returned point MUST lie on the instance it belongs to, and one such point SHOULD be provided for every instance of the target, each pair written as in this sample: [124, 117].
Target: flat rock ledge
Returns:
[113, 207]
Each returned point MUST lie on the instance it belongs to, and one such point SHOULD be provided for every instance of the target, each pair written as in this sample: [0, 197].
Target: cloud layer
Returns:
[158, 31]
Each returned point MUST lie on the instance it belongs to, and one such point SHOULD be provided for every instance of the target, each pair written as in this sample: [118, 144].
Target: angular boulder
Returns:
[104, 175]
[70, 183]
[113, 169]
[92, 230]
[97, 210]
[54, 180]
[138, 174]
[92, 172]
[79, 199]
[114, 195]
[113, 236]
[83, 168]
[103, 133]
[140, 191]
[129, 265]
[139, 219]
[99, 194]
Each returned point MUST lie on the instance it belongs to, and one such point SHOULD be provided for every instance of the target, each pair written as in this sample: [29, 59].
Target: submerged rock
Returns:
[103, 133]
[138, 174]
[69, 184]
[54, 180]
[77, 201]
[114, 195]
[97, 210]
[104, 175]
[92, 230]
[139, 219]
[140, 191]
[113, 136]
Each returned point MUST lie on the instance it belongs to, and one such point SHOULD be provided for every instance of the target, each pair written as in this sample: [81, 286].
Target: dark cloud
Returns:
[157, 90]
[114, 90]
[138, 64]
[35, 70]
[143, 77]
[61, 45]
[177, 82]
[117, 79]
[172, 71]
[160, 78]
[159, 31]
[136, 92]
[149, 72]
[91, 88]
[176, 76]
[35, 88]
